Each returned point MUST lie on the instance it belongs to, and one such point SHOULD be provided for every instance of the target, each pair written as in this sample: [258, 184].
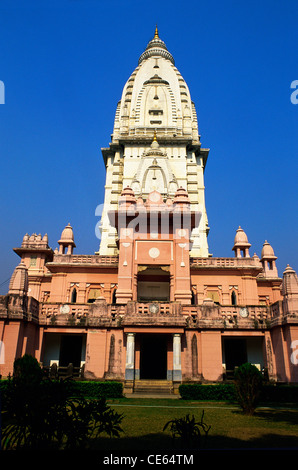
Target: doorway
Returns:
[153, 357]
[235, 352]
[70, 350]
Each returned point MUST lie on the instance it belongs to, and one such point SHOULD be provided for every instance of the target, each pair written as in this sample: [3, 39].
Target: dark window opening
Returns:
[74, 296]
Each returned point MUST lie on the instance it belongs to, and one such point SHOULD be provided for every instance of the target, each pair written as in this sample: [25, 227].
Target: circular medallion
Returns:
[154, 252]
[181, 233]
[243, 312]
[154, 196]
[154, 308]
[64, 309]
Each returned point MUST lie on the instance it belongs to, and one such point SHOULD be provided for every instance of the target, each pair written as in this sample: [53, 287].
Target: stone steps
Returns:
[153, 387]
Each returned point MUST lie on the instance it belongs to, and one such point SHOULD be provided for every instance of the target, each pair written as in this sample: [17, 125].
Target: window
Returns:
[214, 295]
[74, 296]
[233, 298]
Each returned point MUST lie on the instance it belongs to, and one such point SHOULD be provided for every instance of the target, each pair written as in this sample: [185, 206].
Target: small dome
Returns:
[181, 196]
[241, 238]
[289, 270]
[67, 234]
[67, 238]
[267, 251]
[127, 196]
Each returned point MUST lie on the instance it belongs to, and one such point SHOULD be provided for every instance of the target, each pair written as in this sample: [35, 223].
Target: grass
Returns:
[144, 420]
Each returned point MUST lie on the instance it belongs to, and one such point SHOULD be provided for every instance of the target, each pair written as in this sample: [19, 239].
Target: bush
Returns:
[221, 392]
[279, 393]
[248, 384]
[40, 413]
[27, 370]
[52, 415]
[94, 389]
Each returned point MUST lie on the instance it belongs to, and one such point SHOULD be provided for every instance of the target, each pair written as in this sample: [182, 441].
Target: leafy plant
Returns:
[187, 430]
[248, 384]
[45, 414]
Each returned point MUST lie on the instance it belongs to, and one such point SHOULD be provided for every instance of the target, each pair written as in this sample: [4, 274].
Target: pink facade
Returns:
[203, 317]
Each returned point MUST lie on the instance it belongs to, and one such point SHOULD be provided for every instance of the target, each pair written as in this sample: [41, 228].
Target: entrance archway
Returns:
[153, 357]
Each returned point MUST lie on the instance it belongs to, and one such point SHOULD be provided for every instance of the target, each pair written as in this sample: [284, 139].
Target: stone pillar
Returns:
[177, 376]
[130, 356]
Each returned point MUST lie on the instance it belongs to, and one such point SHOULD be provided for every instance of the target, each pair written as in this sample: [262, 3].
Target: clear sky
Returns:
[64, 64]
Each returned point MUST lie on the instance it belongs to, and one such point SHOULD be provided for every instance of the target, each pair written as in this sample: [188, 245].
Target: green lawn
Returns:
[144, 420]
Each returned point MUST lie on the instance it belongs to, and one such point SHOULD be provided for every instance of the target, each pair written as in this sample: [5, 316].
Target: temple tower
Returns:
[155, 144]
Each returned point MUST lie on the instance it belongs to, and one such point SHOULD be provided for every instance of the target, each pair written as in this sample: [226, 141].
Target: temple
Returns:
[152, 307]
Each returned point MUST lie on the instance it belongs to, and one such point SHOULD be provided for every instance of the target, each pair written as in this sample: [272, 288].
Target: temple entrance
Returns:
[153, 357]
[70, 350]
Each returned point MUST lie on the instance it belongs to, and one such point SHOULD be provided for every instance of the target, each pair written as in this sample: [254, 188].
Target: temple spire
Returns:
[156, 33]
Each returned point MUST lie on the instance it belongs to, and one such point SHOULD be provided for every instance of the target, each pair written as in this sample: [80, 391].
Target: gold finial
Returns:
[156, 33]
[154, 138]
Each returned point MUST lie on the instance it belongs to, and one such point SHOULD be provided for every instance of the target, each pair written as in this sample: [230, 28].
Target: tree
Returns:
[248, 384]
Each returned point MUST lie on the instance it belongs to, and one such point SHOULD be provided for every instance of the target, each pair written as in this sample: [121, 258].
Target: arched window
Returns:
[193, 298]
[74, 296]
[114, 297]
[233, 298]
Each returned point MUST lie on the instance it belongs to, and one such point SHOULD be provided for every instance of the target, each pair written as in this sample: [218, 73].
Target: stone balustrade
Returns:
[226, 262]
[85, 259]
[100, 313]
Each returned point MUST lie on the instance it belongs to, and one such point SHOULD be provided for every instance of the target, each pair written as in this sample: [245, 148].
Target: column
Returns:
[177, 375]
[130, 356]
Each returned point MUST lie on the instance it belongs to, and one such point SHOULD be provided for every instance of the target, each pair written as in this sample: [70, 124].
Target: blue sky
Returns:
[64, 64]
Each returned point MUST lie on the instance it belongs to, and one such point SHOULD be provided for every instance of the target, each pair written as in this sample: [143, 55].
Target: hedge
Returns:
[89, 389]
[93, 389]
[270, 393]
[222, 392]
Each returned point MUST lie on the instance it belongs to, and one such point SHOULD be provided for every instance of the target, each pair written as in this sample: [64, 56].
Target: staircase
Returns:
[153, 387]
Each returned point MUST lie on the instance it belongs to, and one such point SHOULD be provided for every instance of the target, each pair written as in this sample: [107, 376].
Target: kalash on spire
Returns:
[155, 102]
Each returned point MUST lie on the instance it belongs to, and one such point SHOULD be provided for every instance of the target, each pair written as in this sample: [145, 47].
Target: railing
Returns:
[63, 314]
[225, 262]
[146, 313]
[85, 259]
[258, 312]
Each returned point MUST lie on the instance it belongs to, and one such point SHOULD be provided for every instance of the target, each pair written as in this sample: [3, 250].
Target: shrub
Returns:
[52, 415]
[27, 370]
[222, 392]
[188, 431]
[248, 384]
[94, 389]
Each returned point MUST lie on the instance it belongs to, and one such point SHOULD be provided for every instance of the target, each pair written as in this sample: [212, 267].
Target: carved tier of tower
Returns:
[155, 144]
